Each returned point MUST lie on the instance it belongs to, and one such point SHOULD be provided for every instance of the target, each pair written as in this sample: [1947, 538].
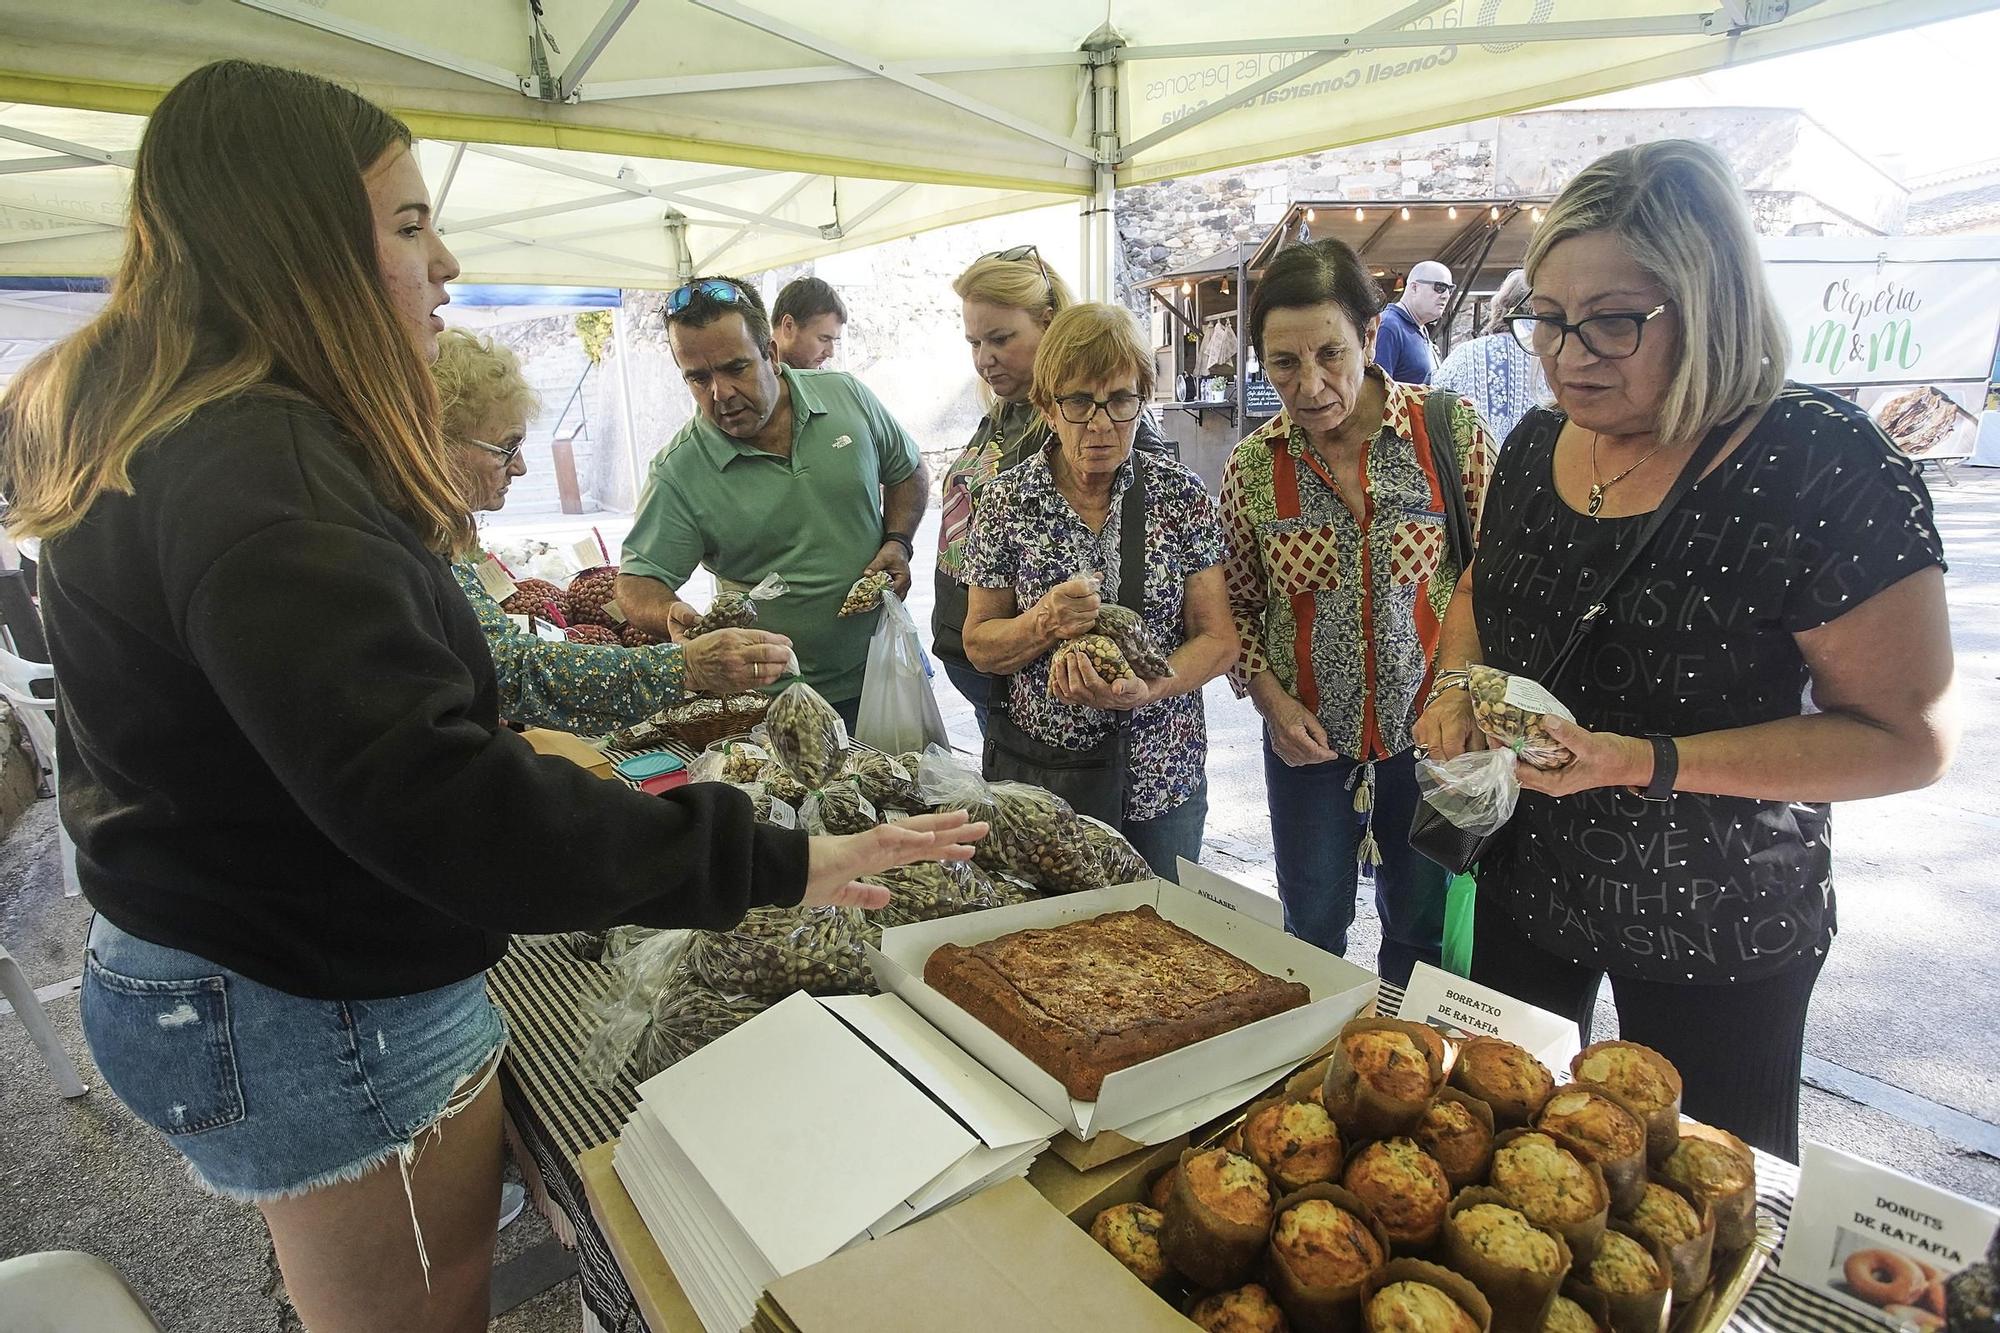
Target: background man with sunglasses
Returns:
[800, 473]
[1402, 347]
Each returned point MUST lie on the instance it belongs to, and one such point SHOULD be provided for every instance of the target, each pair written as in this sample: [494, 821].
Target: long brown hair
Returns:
[249, 267]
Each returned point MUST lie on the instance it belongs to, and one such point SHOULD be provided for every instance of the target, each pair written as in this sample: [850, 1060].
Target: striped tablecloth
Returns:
[545, 990]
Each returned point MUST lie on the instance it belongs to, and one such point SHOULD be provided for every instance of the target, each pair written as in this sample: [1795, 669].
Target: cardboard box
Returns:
[1082, 1194]
[565, 746]
[1003, 1261]
[1227, 914]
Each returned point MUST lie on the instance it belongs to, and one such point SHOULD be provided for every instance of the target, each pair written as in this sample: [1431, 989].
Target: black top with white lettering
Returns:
[1813, 514]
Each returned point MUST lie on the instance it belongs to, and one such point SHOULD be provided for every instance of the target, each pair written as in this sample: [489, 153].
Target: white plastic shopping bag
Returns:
[899, 713]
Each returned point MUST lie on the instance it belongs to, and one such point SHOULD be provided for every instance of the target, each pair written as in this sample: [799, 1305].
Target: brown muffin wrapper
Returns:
[1205, 1247]
[1455, 1285]
[1483, 1113]
[1626, 1176]
[1243, 1133]
[1325, 1309]
[1591, 1299]
[1520, 1300]
[1364, 1111]
[1508, 1112]
[1663, 1126]
[1581, 1237]
[1735, 1212]
[1693, 1261]
[1646, 1312]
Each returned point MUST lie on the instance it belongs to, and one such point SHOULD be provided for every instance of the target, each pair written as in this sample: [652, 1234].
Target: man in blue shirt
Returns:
[1402, 348]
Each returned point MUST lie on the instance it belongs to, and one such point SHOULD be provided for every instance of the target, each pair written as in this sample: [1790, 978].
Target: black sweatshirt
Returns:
[279, 737]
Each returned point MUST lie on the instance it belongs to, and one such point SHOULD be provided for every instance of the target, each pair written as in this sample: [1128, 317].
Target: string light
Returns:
[1360, 216]
[1312, 215]
[1495, 214]
[1406, 215]
[1538, 215]
[1187, 289]
[1452, 212]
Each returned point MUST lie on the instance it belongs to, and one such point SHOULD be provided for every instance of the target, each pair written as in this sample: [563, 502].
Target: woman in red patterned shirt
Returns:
[1339, 573]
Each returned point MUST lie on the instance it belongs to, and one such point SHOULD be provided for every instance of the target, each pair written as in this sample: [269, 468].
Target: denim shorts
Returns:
[269, 1094]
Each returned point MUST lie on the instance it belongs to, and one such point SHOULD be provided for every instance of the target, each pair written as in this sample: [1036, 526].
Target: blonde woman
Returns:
[302, 828]
[1007, 300]
[1804, 557]
[589, 688]
[1066, 510]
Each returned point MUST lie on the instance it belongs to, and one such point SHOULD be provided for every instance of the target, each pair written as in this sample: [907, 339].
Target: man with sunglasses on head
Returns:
[799, 473]
[1402, 347]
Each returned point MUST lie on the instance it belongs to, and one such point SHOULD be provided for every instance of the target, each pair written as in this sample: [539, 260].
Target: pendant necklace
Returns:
[1598, 488]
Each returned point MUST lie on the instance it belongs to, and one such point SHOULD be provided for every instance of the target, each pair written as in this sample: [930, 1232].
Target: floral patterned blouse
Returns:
[586, 688]
[1346, 611]
[1027, 537]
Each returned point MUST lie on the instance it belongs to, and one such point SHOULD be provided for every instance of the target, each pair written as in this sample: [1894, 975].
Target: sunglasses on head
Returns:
[715, 289]
[1021, 252]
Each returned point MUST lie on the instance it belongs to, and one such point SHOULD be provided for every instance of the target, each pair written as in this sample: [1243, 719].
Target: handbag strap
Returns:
[1438, 405]
[1132, 542]
[1691, 472]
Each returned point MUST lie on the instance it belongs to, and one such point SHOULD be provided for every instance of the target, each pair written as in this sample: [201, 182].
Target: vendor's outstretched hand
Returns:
[730, 660]
[838, 865]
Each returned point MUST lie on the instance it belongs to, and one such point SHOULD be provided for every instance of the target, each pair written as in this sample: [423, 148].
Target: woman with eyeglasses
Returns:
[303, 831]
[1684, 849]
[1007, 299]
[485, 407]
[1082, 523]
[1339, 572]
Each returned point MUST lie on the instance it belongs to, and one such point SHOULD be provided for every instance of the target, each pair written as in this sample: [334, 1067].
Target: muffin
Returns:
[1553, 1186]
[1644, 1080]
[1405, 1187]
[1294, 1142]
[1602, 1130]
[1416, 1307]
[1245, 1310]
[1163, 1185]
[1382, 1076]
[1566, 1316]
[1322, 1250]
[1719, 1171]
[1633, 1278]
[1504, 1076]
[1517, 1264]
[1217, 1216]
[1131, 1232]
[1667, 1218]
[1458, 1131]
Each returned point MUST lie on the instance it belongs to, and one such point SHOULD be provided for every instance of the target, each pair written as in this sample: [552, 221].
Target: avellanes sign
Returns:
[1897, 315]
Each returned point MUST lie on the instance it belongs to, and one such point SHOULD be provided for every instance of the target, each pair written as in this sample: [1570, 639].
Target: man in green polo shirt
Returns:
[799, 473]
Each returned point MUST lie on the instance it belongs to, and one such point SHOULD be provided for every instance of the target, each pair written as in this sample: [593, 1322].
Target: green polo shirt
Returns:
[815, 518]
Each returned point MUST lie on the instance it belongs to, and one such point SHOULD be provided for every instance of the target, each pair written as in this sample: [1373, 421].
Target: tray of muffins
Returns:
[1411, 1183]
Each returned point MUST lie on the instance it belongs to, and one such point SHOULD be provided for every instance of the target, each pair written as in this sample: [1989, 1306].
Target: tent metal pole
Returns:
[1714, 23]
[545, 211]
[786, 78]
[672, 196]
[1289, 74]
[66, 162]
[708, 260]
[54, 145]
[620, 348]
[303, 11]
[444, 187]
[593, 46]
[1100, 211]
[861, 60]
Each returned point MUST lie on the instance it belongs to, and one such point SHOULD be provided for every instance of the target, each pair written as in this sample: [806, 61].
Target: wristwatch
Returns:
[909, 549]
[1666, 767]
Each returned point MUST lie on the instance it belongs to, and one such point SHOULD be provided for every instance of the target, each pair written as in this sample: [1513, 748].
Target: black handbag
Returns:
[1093, 780]
[1458, 850]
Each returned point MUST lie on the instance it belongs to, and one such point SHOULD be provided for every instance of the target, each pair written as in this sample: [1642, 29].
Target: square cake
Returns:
[1088, 998]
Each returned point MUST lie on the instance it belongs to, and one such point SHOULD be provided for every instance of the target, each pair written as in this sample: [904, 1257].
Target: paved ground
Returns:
[1900, 1044]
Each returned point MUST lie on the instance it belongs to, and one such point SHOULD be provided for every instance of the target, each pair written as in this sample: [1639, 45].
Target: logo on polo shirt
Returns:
[843, 442]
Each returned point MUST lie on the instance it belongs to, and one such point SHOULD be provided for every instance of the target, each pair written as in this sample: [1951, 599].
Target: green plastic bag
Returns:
[1458, 900]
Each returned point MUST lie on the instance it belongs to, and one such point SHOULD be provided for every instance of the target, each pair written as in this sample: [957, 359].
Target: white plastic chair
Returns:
[18, 677]
[68, 1291]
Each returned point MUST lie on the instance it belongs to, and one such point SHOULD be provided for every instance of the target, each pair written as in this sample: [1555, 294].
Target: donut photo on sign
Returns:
[1908, 1290]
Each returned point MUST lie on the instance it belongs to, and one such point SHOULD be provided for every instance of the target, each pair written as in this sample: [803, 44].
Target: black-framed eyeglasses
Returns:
[715, 289]
[505, 453]
[1079, 408]
[1611, 337]
[1021, 252]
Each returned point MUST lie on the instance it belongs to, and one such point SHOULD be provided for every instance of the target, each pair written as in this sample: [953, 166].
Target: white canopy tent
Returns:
[638, 141]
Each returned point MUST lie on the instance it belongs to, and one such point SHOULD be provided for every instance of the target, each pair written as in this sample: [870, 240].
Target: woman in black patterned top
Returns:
[1685, 850]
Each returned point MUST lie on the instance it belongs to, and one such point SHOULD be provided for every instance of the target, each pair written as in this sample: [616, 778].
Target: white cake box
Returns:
[1227, 914]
